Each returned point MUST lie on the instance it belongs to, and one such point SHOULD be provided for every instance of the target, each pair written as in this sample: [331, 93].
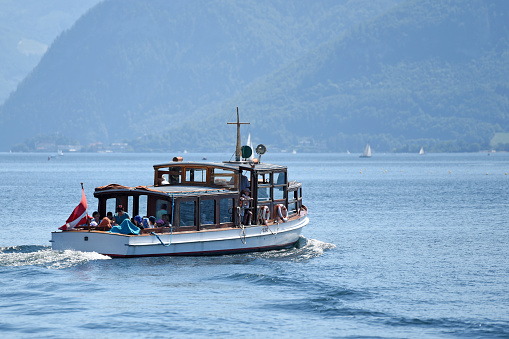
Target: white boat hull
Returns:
[211, 242]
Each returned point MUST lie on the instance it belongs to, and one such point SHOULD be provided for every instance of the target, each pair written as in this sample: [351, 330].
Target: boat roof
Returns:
[233, 165]
[173, 190]
[178, 190]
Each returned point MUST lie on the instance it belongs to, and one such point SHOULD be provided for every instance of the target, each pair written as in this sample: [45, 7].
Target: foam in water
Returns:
[312, 248]
[304, 250]
[45, 257]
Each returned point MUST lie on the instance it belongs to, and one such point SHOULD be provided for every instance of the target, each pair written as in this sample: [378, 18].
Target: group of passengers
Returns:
[162, 219]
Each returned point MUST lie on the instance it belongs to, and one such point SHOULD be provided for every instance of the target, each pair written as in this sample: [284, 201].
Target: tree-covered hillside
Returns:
[130, 68]
[311, 76]
[433, 74]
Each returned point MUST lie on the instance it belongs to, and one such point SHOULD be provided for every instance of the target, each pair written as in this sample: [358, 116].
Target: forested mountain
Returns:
[426, 73]
[130, 68]
[312, 76]
[27, 28]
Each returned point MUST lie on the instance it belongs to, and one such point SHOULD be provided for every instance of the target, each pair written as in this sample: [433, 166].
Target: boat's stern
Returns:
[93, 241]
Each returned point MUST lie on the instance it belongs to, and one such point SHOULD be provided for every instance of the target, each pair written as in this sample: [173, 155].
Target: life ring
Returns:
[282, 212]
[264, 214]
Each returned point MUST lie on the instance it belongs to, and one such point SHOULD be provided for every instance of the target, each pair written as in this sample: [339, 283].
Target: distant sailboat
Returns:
[367, 152]
[421, 152]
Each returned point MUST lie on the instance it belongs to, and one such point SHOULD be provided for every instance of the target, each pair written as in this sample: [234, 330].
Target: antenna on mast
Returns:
[238, 123]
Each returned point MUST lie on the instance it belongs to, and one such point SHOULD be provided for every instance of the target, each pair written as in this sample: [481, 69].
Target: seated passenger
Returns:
[137, 221]
[166, 220]
[126, 227]
[145, 223]
[95, 219]
[105, 224]
[163, 181]
[152, 221]
[120, 216]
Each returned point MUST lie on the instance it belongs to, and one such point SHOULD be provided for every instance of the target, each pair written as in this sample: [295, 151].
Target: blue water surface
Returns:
[398, 246]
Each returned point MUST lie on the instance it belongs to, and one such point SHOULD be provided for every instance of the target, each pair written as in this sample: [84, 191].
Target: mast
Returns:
[238, 123]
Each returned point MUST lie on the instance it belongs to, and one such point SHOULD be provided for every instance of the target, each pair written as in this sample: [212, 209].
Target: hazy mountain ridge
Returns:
[420, 73]
[27, 28]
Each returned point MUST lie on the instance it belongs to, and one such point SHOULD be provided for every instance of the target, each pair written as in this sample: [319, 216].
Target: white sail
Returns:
[367, 152]
[250, 144]
[421, 152]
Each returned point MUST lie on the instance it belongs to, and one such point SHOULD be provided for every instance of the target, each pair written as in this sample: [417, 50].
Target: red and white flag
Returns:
[78, 216]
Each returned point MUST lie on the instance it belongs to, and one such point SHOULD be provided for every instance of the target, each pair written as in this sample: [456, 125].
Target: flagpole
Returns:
[88, 220]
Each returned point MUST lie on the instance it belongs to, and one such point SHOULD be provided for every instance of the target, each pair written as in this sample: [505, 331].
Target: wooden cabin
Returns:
[203, 196]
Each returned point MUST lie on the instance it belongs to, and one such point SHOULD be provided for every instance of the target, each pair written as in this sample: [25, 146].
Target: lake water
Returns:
[398, 246]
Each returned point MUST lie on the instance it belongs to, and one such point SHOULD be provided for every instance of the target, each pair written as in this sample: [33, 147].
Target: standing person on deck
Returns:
[162, 210]
[246, 213]
[244, 182]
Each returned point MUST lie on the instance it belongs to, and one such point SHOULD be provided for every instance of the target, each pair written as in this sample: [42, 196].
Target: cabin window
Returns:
[111, 206]
[264, 178]
[187, 213]
[292, 207]
[263, 193]
[291, 195]
[279, 178]
[142, 205]
[207, 212]
[225, 211]
[292, 201]
[129, 208]
[280, 186]
[222, 177]
[196, 175]
[174, 175]
[279, 193]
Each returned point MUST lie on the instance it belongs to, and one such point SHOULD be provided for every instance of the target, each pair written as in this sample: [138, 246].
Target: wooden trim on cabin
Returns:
[209, 179]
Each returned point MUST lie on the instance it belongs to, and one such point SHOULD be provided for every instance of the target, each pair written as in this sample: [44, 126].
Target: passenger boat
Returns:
[205, 209]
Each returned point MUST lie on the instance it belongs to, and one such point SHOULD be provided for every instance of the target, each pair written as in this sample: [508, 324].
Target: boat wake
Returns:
[44, 256]
[305, 249]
